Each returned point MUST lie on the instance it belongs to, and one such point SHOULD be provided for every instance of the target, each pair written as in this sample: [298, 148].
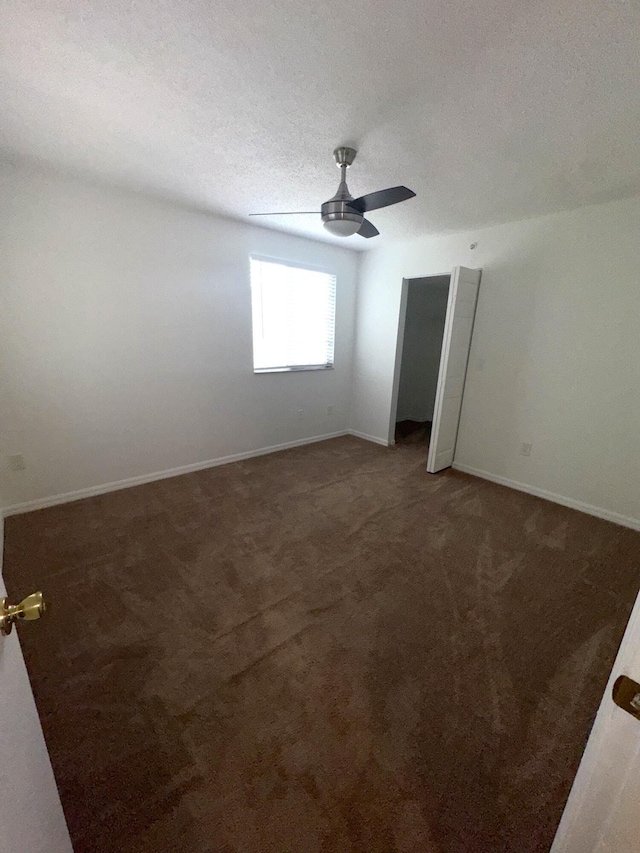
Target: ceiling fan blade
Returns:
[287, 213]
[383, 198]
[368, 229]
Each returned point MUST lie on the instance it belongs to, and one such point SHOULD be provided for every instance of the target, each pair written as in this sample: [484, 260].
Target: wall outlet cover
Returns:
[16, 462]
[525, 450]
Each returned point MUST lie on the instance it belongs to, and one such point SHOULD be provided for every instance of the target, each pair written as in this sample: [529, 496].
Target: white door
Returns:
[461, 309]
[31, 817]
[602, 814]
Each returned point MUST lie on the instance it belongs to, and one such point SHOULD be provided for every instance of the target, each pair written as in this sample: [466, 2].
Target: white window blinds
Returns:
[293, 316]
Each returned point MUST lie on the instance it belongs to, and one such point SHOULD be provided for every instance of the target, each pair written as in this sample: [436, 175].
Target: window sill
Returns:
[293, 369]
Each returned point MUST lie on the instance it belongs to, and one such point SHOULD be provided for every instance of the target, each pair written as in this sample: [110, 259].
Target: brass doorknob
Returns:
[32, 607]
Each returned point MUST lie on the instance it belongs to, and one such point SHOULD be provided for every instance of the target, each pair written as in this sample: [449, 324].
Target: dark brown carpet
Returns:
[325, 649]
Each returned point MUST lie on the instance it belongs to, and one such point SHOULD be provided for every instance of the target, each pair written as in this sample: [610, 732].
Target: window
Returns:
[293, 316]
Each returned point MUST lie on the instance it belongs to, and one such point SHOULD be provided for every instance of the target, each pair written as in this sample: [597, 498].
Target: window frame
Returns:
[300, 266]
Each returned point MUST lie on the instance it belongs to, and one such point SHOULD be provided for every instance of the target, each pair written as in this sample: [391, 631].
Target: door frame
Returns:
[402, 319]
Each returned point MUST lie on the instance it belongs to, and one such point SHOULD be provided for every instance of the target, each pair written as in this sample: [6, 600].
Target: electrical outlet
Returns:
[329, 410]
[300, 413]
[16, 462]
[525, 449]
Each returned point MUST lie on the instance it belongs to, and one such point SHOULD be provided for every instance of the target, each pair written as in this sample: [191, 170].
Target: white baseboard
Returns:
[104, 488]
[599, 512]
[373, 438]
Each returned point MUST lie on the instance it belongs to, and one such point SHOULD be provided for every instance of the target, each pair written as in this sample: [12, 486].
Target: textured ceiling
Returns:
[490, 110]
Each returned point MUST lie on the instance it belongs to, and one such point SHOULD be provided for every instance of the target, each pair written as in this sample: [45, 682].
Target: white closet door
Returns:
[31, 817]
[461, 309]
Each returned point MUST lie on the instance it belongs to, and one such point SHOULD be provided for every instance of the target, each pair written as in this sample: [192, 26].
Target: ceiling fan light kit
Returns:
[343, 215]
[342, 225]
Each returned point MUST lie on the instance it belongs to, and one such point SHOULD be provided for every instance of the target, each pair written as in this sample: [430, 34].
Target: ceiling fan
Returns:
[343, 215]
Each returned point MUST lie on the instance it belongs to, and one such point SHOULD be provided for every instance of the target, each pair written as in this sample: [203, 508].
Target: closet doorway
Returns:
[434, 338]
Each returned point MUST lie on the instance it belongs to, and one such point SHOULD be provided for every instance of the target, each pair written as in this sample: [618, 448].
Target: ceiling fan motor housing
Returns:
[338, 210]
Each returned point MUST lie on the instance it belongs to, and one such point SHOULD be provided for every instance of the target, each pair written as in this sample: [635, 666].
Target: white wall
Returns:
[125, 337]
[555, 357]
[421, 348]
